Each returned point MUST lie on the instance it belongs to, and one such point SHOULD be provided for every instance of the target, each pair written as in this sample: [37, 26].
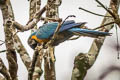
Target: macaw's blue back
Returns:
[47, 30]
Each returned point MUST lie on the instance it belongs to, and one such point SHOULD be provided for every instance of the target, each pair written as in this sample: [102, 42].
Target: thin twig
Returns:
[117, 41]
[60, 24]
[3, 51]
[2, 41]
[67, 18]
[93, 12]
[104, 25]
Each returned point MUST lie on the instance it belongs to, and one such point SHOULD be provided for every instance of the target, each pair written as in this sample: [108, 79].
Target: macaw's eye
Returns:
[32, 43]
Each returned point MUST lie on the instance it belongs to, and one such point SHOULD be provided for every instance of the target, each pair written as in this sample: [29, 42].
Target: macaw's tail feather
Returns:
[86, 32]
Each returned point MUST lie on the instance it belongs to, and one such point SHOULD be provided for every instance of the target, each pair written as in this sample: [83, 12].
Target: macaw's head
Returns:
[31, 42]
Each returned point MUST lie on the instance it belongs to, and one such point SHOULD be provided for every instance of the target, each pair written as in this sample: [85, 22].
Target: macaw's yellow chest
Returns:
[39, 40]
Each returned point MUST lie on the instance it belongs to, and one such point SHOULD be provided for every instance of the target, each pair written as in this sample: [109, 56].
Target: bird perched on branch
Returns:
[66, 31]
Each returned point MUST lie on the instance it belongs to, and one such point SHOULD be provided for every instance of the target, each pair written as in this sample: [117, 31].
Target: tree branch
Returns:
[93, 12]
[34, 8]
[3, 51]
[4, 71]
[49, 65]
[114, 6]
[2, 42]
[83, 62]
[38, 66]
[49, 59]
[13, 40]
[36, 70]
[33, 70]
[102, 26]
[11, 54]
[30, 23]
[106, 9]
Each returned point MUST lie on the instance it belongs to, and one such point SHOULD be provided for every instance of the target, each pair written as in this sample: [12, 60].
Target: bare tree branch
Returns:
[3, 51]
[49, 59]
[49, 65]
[34, 7]
[2, 78]
[114, 12]
[8, 16]
[2, 41]
[30, 23]
[4, 71]
[22, 51]
[93, 12]
[36, 70]
[34, 64]
[31, 70]
[38, 66]
[102, 26]
[83, 62]
[114, 6]
[11, 54]
[52, 12]
[106, 9]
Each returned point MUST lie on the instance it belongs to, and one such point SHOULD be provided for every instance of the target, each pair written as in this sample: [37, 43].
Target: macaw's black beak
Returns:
[32, 43]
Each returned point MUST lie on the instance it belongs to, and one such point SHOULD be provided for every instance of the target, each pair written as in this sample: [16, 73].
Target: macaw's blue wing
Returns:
[47, 30]
[69, 26]
[86, 32]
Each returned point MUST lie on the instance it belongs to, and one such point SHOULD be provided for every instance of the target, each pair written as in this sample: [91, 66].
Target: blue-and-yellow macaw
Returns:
[67, 30]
